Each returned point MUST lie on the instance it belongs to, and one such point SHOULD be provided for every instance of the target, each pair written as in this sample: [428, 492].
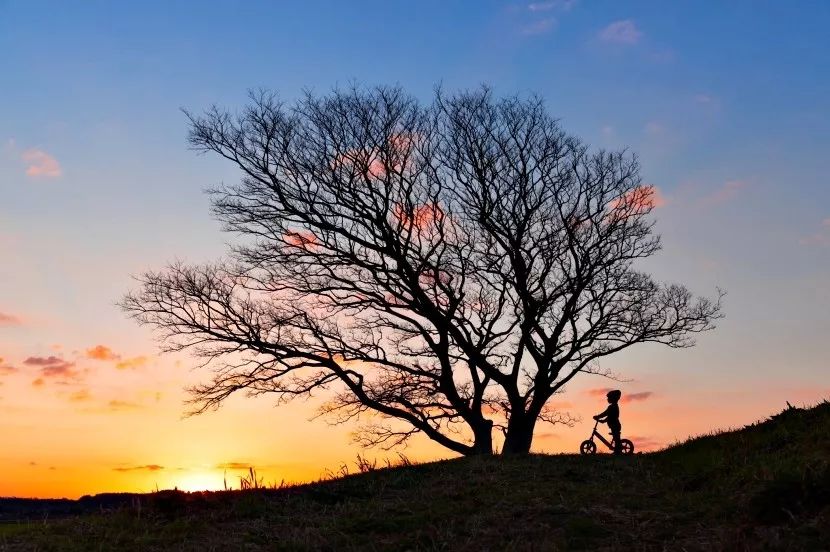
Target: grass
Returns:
[764, 487]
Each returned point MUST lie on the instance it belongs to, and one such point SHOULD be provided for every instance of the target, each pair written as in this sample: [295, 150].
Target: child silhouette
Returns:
[611, 416]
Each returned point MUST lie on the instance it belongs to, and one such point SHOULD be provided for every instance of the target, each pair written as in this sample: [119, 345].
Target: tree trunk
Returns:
[519, 435]
[483, 435]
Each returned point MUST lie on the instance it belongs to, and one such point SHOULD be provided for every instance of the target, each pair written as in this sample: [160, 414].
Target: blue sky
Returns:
[726, 103]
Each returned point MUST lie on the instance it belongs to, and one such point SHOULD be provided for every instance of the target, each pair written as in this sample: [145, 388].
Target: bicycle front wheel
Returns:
[588, 447]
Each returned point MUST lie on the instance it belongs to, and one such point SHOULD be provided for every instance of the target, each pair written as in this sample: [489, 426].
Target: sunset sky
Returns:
[726, 103]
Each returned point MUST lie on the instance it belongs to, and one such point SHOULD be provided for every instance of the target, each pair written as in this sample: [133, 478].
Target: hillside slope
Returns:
[764, 487]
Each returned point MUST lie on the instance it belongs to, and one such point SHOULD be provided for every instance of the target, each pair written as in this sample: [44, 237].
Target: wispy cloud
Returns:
[80, 396]
[564, 5]
[148, 467]
[645, 443]
[626, 397]
[7, 319]
[539, 27]
[705, 99]
[234, 466]
[132, 363]
[53, 367]
[641, 198]
[40, 164]
[101, 352]
[728, 191]
[821, 238]
[654, 128]
[621, 32]
[118, 405]
[6, 369]
[641, 396]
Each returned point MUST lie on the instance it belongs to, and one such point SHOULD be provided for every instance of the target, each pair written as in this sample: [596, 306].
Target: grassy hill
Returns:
[763, 487]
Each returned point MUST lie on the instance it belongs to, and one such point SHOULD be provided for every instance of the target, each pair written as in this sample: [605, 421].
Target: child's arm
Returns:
[602, 415]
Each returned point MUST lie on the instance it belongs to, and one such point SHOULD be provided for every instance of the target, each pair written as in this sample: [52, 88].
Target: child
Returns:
[611, 416]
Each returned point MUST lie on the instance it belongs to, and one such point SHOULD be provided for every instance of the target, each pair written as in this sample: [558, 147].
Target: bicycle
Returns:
[588, 446]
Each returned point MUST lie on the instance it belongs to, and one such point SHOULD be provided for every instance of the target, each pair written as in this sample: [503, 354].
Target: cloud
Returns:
[607, 131]
[662, 56]
[641, 396]
[43, 361]
[40, 164]
[6, 369]
[148, 467]
[705, 99]
[80, 396]
[234, 466]
[132, 363]
[645, 443]
[639, 200]
[564, 5]
[539, 27]
[820, 238]
[117, 405]
[53, 367]
[7, 319]
[38, 382]
[621, 32]
[301, 239]
[725, 193]
[626, 397]
[101, 352]
[654, 128]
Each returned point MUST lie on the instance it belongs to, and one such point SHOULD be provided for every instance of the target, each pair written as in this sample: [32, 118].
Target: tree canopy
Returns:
[441, 268]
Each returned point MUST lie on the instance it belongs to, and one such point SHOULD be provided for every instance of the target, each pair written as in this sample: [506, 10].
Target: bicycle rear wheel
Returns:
[626, 446]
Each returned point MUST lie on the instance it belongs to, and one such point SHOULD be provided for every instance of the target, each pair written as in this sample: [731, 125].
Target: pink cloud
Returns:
[7, 319]
[820, 238]
[641, 396]
[52, 367]
[621, 32]
[6, 369]
[643, 444]
[726, 192]
[43, 361]
[626, 397]
[639, 200]
[40, 164]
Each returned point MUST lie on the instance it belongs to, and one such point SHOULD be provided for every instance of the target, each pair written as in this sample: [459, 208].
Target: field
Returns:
[763, 487]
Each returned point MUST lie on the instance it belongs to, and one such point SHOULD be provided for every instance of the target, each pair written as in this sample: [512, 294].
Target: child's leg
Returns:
[615, 433]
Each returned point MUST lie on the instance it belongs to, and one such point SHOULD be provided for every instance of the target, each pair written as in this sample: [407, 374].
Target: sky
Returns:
[727, 105]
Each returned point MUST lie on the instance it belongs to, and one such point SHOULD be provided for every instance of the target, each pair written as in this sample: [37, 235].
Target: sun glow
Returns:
[200, 481]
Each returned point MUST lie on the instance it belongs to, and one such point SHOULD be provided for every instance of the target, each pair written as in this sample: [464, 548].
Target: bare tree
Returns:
[441, 269]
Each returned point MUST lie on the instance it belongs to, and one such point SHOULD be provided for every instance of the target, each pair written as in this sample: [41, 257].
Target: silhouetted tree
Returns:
[447, 268]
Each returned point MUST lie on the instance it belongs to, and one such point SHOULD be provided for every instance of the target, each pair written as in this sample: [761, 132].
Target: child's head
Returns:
[614, 396]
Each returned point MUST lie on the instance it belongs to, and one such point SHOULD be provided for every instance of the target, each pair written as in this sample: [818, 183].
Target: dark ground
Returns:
[765, 487]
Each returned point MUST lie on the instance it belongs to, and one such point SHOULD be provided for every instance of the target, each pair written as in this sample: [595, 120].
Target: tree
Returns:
[441, 269]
